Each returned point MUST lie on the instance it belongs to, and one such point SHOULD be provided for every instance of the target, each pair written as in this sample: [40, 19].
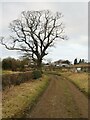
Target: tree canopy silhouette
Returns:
[34, 32]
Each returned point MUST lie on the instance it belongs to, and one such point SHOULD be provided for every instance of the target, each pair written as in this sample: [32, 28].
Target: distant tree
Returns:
[9, 64]
[75, 61]
[35, 32]
[23, 62]
[83, 61]
[6, 64]
[80, 61]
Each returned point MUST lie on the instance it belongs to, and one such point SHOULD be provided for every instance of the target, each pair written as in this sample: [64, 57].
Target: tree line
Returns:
[15, 64]
[80, 61]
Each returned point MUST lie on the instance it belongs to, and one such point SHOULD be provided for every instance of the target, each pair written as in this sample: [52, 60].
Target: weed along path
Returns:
[60, 100]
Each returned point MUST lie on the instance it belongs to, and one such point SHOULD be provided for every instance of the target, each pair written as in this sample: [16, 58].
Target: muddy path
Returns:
[60, 100]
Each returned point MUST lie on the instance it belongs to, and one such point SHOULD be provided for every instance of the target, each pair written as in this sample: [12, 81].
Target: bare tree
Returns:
[34, 32]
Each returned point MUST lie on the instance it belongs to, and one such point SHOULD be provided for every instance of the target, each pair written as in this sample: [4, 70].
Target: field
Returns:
[16, 99]
[79, 79]
[0, 71]
[0, 105]
[8, 72]
[62, 99]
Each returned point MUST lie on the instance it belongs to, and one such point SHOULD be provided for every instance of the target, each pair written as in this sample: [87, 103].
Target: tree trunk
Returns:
[39, 64]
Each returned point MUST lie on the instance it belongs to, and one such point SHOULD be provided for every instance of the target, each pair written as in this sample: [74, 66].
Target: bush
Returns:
[15, 79]
[36, 74]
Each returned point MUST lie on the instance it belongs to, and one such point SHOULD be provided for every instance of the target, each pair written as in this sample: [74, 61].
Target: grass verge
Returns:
[17, 99]
[80, 80]
[7, 72]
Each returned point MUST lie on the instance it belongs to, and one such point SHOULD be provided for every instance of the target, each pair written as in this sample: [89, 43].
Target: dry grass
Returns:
[80, 80]
[16, 99]
[0, 105]
[0, 71]
[8, 72]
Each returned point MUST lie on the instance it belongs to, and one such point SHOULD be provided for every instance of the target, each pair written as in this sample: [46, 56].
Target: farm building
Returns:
[62, 63]
[80, 67]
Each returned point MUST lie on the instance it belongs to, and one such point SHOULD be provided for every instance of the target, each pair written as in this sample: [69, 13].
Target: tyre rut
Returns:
[60, 100]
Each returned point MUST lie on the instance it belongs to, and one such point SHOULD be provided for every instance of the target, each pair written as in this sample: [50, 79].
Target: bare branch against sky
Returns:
[75, 19]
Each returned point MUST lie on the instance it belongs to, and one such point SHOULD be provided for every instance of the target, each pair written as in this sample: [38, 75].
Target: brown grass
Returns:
[16, 99]
[79, 79]
[0, 105]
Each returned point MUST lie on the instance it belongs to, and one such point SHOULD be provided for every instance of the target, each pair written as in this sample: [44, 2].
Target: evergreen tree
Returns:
[80, 61]
[83, 61]
[75, 61]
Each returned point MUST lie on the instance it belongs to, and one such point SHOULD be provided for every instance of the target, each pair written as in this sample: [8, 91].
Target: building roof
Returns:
[62, 62]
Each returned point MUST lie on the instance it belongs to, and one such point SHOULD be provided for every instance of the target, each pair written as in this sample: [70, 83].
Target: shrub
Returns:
[15, 79]
[36, 74]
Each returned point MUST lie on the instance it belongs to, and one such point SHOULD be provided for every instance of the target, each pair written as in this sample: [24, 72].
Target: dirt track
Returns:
[60, 100]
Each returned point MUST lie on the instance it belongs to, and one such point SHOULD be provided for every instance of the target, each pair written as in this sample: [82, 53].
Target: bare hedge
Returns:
[15, 79]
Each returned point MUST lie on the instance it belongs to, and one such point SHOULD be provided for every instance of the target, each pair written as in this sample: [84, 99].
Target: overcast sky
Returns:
[75, 20]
